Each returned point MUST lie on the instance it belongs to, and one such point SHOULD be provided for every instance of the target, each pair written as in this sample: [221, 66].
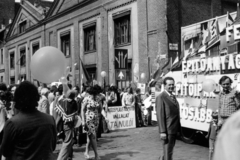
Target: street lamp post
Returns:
[103, 75]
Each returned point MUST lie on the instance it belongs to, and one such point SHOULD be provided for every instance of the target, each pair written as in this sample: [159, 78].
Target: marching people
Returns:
[65, 111]
[100, 98]
[128, 98]
[30, 134]
[90, 122]
[111, 96]
[138, 109]
[229, 100]
[44, 105]
[212, 134]
[4, 114]
[148, 105]
[168, 117]
[78, 99]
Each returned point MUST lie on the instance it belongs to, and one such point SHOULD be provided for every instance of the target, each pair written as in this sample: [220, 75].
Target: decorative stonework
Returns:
[92, 16]
[124, 4]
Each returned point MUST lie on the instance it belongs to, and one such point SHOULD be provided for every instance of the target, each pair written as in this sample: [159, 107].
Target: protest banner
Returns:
[121, 118]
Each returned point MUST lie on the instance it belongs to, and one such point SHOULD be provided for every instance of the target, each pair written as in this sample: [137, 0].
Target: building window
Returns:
[23, 57]
[92, 73]
[12, 60]
[23, 77]
[22, 26]
[1, 56]
[1, 78]
[122, 30]
[90, 38]
[12, 80]
[35, 47]
[65, 43]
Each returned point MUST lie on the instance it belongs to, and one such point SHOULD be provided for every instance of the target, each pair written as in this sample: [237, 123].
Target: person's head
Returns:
[91, 90]
[130, 90]
[138, 91]
[215, 116]
[84, 88]
[13, 88]
[39, 89]
[169, 84]
[77, 89]
[26, 97]
[44, 92]
[69, 85]
[225, 82]
[53, 88]
[97, 88]
[60, 89]
[3, 87]
[147, 94]
[71, 94]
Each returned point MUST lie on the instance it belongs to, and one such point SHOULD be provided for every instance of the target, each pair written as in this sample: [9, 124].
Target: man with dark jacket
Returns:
[168, 118]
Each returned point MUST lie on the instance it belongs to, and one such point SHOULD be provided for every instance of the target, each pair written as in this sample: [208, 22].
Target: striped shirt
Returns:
[228, 103]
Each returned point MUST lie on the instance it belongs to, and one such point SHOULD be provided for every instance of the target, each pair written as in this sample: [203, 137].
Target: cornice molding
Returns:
[92, 16]
[121, 5]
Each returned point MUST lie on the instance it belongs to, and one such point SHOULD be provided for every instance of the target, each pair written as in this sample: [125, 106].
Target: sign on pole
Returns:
[121, 58]
[173, 46]
[121, 75]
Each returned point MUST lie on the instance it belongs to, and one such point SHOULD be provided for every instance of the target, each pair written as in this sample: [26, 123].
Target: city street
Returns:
[140, 144]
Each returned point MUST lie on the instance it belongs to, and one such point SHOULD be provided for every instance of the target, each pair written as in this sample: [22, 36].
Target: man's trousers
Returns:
[168, 146]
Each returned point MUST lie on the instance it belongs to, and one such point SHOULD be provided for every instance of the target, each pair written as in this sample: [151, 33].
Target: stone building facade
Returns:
[121, 37]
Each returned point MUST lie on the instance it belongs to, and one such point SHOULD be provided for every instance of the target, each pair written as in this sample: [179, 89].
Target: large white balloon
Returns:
[208, 85]
[48, 64]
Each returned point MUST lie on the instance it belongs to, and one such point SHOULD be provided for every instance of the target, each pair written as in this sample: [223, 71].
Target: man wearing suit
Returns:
[168, 118]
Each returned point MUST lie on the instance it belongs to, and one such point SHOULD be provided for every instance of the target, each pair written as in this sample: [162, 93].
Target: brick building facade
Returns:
[101, 32]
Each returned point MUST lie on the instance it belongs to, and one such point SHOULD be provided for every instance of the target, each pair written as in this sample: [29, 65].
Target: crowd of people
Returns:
[33, 120]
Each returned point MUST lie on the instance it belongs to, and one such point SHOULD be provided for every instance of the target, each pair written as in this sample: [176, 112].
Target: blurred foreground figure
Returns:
[30, 134]
[228, 140]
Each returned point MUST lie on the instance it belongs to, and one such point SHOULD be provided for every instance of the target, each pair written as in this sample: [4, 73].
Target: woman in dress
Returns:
[90, 122]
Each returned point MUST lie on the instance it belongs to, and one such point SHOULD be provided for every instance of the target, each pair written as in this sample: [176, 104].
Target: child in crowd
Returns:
[212, 133]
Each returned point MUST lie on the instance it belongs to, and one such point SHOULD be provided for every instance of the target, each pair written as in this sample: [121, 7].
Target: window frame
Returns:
[21, 25]
[2, 56]
[21, 57]
[87, 29]
[35, 44]
[12, 77]
[13, 64]
[63, 41]
[122, 22]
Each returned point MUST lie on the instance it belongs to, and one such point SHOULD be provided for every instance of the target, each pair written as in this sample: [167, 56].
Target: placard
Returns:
[121, 118]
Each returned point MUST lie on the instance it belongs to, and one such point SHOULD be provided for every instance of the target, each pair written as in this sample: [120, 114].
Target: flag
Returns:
[176, 60]
[189, 51]
[214, 29]
[229, 20]
[85, 73]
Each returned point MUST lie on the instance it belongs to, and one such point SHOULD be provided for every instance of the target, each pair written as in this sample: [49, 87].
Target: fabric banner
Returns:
[121, 118]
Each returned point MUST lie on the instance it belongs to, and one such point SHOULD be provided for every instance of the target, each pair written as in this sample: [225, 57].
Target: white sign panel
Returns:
[195, 114]
[121, 118]
[194, 117]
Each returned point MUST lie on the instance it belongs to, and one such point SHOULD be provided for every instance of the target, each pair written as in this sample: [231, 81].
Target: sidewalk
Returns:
[139, 144]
